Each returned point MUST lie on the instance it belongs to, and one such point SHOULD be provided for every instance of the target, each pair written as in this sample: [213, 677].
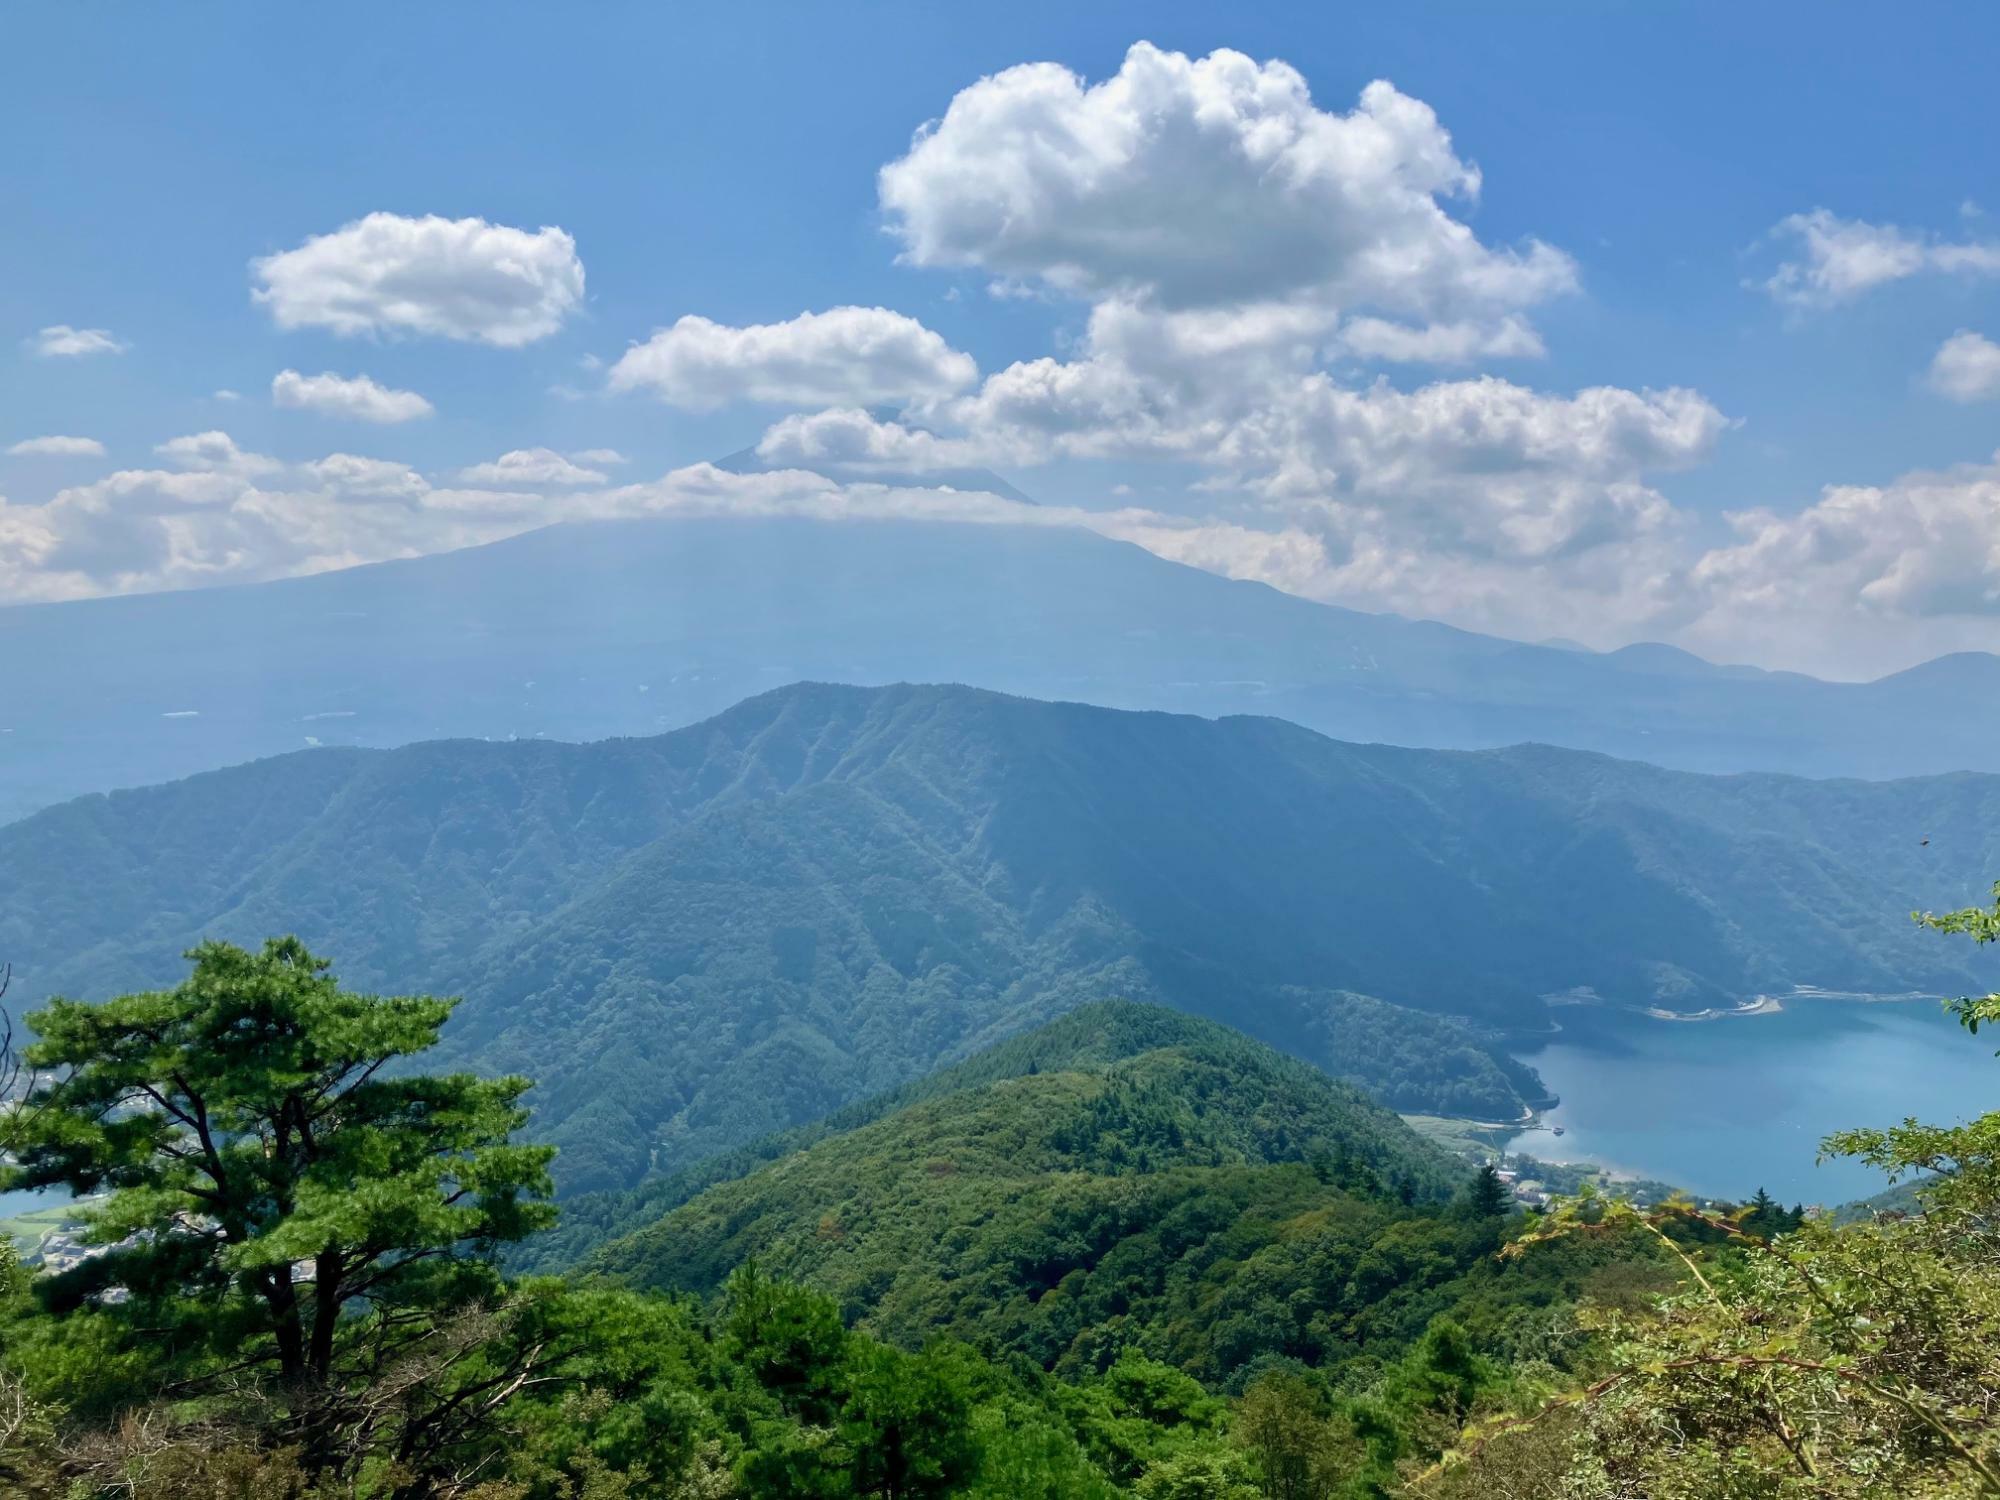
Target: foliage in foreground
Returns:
[1855, 1360]
[296, 1298]
[292, 1290]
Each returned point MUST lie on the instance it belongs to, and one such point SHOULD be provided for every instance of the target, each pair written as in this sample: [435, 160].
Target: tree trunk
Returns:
[283, 1299]
[326, 1313]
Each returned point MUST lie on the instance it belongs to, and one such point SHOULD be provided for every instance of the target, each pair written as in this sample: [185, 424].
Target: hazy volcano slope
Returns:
[694, 939]
[582, 631]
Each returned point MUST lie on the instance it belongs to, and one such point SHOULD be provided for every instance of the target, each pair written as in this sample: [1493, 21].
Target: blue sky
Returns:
[723, 163]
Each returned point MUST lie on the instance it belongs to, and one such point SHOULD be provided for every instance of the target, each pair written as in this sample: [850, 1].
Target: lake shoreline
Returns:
[1724, 1111]
[1755, 1005]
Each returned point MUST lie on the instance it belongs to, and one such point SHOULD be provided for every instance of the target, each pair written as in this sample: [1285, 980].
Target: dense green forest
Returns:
[1138, 1180]
[693, 941]
[296, 1291]
[1128, 1253]
[1253, 1106]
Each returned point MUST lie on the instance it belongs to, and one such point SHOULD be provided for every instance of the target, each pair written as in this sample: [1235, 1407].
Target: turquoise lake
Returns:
[1725, 1106]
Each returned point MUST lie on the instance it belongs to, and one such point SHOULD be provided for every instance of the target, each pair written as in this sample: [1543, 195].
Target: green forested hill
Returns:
[1249, 1103]
[695, 940]
[1124, 1178]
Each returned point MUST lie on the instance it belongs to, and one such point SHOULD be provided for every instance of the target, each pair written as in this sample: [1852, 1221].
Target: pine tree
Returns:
[259, 1172]
[1488, 1196]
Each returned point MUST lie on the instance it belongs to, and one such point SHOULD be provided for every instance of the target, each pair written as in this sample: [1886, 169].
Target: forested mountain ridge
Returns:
[586, 630]
[693, 940]
[1257, 1105]
[1123, 1178]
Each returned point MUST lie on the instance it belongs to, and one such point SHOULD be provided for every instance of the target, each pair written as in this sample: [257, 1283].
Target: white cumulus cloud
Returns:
[223, 515]
[214, 452]
[850, 438]
[57, 447]
[1865, 579]
[1837, 260]
[452, 278]
[60, 341]
[1966, 367]
[846, 355]
[1204, 182]
[531, 466]
[353, 474]
[353, 396]
[1927, 543]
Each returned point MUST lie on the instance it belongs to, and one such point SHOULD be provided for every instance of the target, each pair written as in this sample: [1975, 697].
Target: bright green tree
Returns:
[264, 1166]
[904, 1424]
[1206, 1472]
[789, 1338]
[1300, 1454]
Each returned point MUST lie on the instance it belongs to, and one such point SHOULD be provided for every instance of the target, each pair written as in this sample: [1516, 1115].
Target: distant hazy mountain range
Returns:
[694, 939]
[584, 631]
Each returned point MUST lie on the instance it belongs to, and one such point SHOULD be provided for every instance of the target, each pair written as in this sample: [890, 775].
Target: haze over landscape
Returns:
[1020, 753]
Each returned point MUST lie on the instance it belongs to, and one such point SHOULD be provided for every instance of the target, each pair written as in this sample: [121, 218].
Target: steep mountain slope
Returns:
[1261, 1106]
[697, 939]
[973, 1164]
[632, 627]
[1125, 1177]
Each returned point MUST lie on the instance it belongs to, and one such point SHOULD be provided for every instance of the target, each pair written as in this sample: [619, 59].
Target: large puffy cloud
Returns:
[1204, 182]
[1234, 242]
[1458, 439]
[1482, 464]
[1481, 501]
[1837, 260]
[1966, 367]
[453, 278]
[1926, 544]
[352, 396]
[60, 341]
[1232, 239]
[1866, 579]
[846, 355]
